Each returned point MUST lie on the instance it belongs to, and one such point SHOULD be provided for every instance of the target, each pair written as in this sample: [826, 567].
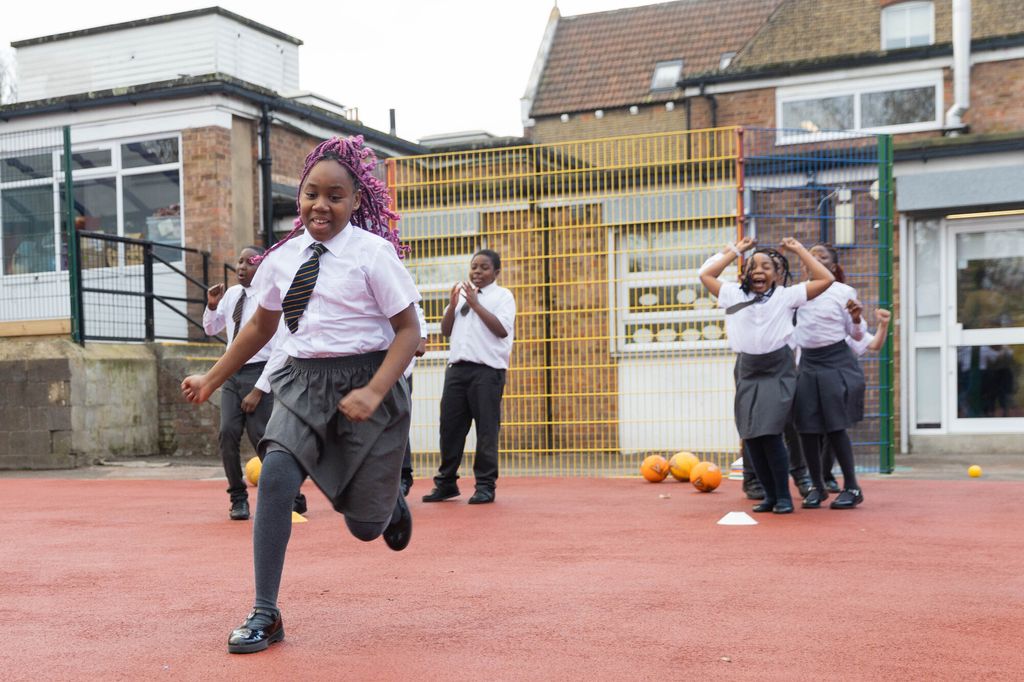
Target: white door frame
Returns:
[956, 335]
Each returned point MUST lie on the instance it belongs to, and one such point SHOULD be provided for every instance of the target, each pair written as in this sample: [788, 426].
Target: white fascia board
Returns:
[134, 120]
[891, 69]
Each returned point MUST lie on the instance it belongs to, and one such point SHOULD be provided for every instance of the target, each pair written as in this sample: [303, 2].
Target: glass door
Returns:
[985, 360]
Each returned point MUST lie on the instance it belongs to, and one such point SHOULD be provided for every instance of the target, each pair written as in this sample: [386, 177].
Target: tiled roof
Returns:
[606, 59]
[818, 30]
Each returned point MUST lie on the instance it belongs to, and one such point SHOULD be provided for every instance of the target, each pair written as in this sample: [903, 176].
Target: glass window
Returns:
[825, 113]
[97, 158]
[28, 229]
[908, 24]
[26, 167]
[927, 277]
[928, 385]
[896, 107]
[95, 211]
[666, 74]
[149, 153]
[152, 210]
[989, 381]
[990, 279]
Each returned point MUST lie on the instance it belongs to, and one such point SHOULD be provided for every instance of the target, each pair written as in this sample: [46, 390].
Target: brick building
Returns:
[188, 130]
[942, 77]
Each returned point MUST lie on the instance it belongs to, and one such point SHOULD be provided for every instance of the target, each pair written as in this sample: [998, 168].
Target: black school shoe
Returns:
[814, 498]
[482, 497]
[832, 486]
[399, 532]
[848, 499]
[299, 506]
[441, 493]
[240, 510]
[251, 637]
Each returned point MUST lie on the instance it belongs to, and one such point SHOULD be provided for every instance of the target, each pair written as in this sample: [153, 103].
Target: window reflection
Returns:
[989, 381]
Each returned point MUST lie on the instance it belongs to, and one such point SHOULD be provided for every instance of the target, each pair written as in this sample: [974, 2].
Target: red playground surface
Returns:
[582, 579]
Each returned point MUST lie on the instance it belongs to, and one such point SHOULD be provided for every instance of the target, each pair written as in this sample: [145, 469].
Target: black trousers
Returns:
[472, 393]
[407, 460]
[233, 421]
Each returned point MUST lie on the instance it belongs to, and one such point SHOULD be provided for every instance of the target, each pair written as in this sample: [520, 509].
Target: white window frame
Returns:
[114, 170]
[857, 88]
[668, 63]
[900, 13]
[622, 281]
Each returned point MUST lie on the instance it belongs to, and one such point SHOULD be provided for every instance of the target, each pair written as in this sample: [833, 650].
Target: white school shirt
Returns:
[216, 321]
[860, 347]
[472, 341]
[761, 327]
[825, 320]
[360, 286]
[423, 335]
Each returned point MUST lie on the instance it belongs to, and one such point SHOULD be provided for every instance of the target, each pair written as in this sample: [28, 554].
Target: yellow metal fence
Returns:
[619, 351]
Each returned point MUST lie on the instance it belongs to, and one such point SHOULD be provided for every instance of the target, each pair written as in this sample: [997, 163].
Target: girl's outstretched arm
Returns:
[821, 278]
[712, 269]
[254, 335]
[882, 316]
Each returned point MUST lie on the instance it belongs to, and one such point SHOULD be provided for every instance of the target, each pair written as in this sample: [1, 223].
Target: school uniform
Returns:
[830, 383]
[339, 342]
[759, 327]
[236, 307]
[474, 383]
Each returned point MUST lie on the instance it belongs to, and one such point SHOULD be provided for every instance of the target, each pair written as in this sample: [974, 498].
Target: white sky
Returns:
[444, 65]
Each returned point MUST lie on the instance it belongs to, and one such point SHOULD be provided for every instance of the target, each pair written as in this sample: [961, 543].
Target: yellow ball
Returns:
[252, 470]
[974, 471]
[681, 464]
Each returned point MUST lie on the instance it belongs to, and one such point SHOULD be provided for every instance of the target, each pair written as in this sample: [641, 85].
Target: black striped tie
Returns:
[297, 298]
[236, 317]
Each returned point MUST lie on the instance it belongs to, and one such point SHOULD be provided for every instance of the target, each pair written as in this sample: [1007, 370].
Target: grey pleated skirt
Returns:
[765, 387]
[357, 465]
[829, 389]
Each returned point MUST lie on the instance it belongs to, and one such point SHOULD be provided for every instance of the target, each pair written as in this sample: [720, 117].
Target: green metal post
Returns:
[886, 463]
[74, 272]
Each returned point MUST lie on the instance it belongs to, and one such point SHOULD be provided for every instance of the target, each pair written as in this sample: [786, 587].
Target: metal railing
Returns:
[137, 290]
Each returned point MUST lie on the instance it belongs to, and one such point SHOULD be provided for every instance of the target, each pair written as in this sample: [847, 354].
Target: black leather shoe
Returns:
[832, 486]
[765, 506]
[482, 497]
[848, 499]
[814, 498]
[783, 507]
[256, 636]
[398, 533]
[805, 485]
[299, 506]
[240, 510]
[753, 490]
[441, 494]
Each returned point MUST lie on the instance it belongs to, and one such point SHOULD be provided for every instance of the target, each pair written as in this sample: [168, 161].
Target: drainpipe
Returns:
[713, 103]
[266, 166]
[961, 66]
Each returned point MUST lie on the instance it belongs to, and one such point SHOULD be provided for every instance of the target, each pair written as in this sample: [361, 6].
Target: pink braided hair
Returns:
[374, 213]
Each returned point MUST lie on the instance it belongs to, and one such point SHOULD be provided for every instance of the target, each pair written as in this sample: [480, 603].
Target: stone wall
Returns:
[64, 406]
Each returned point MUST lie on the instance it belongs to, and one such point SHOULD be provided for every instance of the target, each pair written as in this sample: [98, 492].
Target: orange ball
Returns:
[705, 477]
[252, 470]
[654, 468]
[681, 464]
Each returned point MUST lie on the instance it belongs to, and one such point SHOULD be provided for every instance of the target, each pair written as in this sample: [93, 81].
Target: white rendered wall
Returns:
[160, 52]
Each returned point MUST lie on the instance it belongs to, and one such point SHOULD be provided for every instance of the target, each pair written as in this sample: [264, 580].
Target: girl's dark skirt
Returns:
[765, 387]
[829, 389]
[357, 465]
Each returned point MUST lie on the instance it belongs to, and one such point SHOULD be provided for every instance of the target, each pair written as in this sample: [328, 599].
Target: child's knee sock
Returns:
[280, 480]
